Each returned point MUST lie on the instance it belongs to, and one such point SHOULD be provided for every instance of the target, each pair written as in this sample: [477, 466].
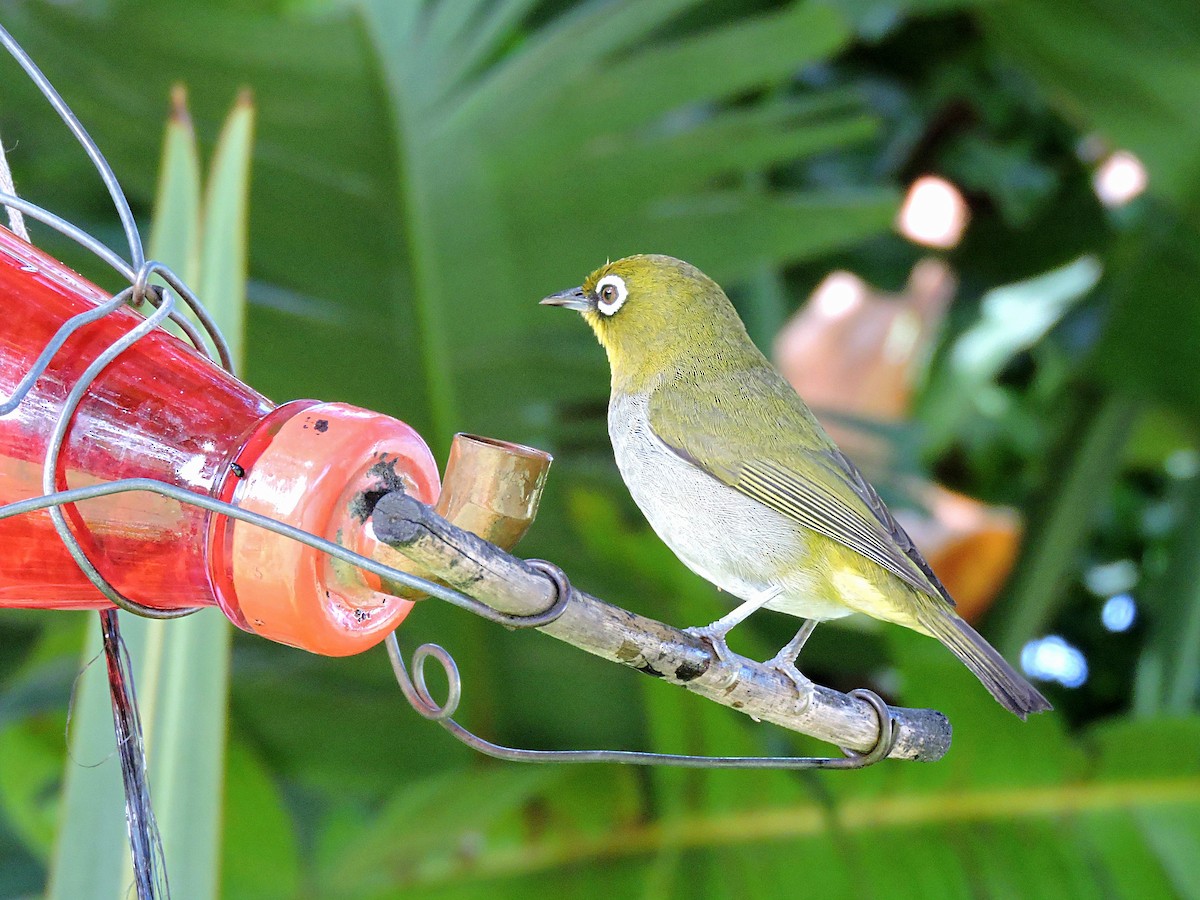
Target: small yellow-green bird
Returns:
[737, 477]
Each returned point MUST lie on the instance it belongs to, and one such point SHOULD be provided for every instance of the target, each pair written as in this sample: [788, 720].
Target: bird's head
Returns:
[652, 313]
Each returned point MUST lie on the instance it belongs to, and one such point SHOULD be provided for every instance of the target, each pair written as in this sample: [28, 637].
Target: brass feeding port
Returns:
[491, 488]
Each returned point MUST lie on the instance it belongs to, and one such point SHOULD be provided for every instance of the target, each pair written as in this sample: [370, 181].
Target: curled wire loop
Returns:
[562, 596]
[887, 733]
[415, 689]
[138, 272]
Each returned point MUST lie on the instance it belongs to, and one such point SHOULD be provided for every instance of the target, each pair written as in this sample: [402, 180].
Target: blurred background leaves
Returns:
[424, 171]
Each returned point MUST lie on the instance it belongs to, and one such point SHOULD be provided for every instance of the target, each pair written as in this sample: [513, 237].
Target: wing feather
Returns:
[805, 478]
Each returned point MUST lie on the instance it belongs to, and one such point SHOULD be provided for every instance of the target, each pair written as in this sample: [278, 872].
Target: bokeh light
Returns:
[1119, 612]
[1052, 659]
[839, 294]
[1120, 178]
[934, 213]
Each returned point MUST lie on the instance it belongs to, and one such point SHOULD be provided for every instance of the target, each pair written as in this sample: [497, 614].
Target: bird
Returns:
[737, 477]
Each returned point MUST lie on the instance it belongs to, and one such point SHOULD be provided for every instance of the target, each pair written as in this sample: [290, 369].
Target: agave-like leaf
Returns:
[181, 667]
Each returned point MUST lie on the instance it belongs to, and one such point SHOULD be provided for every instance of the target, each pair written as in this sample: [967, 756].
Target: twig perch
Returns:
[471, 565]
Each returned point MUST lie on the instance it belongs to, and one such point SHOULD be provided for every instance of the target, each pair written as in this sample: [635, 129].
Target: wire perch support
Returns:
[419, 697]
[139, 271]
[417, 694]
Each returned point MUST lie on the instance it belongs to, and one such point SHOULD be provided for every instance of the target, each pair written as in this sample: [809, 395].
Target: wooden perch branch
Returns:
[481, 570]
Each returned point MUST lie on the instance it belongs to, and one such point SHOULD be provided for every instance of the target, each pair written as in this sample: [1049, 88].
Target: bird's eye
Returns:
[610, 294]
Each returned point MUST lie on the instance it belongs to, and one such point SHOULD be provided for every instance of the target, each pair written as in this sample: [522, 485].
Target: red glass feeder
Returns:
[161, 410]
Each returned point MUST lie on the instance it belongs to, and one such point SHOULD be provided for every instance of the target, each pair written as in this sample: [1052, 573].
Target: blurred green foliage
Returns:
[424, 171]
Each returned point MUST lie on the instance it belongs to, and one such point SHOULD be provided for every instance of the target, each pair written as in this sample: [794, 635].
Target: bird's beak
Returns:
[573, 298]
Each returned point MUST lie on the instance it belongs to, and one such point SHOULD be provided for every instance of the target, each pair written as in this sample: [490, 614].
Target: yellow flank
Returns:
[865, 587]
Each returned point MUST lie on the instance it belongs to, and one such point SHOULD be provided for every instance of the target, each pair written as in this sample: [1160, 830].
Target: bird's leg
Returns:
[785, 660]
[715, 633]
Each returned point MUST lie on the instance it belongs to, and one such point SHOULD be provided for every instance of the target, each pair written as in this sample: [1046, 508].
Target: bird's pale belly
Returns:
[735, 542]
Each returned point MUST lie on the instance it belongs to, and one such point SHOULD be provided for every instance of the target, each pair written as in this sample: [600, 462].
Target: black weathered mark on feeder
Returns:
[389, 482]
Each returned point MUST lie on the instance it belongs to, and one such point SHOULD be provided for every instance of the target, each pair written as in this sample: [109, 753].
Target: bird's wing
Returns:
[789, 464]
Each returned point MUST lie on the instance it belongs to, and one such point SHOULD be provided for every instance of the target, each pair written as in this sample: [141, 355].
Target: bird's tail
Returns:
[1012, 691]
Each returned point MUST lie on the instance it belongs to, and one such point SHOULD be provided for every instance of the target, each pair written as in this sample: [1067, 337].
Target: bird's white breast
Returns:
[735, 542]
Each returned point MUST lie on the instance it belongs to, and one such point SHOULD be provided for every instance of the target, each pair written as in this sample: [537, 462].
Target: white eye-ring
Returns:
[610, 294]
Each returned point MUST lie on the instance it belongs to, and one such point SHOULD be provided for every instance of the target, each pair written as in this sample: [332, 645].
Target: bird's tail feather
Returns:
[1008, 687]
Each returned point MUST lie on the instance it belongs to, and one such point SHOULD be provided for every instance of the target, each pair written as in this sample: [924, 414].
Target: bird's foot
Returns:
[715, 638]
[784, 663]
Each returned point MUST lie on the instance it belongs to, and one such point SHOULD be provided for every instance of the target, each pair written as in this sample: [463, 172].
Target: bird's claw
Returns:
[715, 638]
[785, 665]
